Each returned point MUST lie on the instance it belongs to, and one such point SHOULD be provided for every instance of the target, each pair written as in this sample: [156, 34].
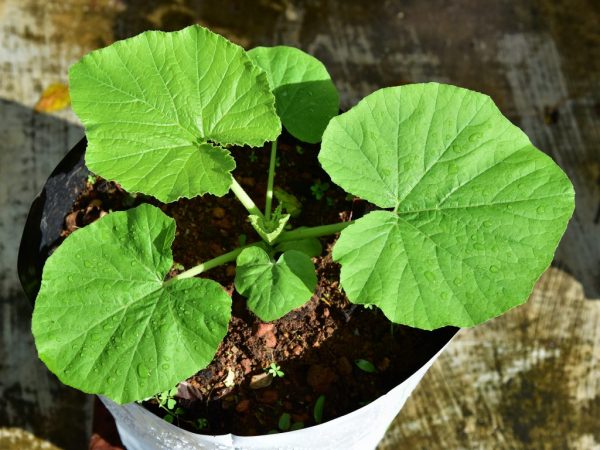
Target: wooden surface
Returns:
[527, 380]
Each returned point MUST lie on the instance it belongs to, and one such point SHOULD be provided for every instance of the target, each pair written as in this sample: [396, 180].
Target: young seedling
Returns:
[318, 189]
[285, 422]
[201, 423]
[275, 370]
[365, 366]
[318, 409]
[469, 216]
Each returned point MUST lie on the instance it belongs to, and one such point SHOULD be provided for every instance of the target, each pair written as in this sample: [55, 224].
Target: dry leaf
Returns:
[54, 98]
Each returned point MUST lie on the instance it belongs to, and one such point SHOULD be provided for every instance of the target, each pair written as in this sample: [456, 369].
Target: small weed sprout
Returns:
[275, 370]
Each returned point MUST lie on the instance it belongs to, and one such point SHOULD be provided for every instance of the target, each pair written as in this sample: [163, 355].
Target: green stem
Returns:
[322, 230]
[299, 233]
[212, 263]
[269, 197]
[245, 199]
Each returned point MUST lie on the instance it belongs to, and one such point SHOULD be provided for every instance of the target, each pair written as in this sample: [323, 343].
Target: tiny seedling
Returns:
[318, 409]
[201, 423]
[365, 366]
[318, 189]
[466, 213]
[285, 422]
[275, 370]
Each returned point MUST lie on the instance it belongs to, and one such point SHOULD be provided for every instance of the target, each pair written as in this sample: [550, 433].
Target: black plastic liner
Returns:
[46, 217]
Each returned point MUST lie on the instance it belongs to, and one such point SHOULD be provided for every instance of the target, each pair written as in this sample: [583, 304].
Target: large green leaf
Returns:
[478, 211]
[106, 323]
[158, 107]
[274, 288]
[306, 97]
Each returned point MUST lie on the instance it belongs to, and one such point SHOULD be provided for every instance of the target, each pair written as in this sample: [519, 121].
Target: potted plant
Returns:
[460, 215]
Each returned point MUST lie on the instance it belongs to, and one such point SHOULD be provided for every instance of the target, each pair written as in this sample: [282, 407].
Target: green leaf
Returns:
[306, 97]
[289, 203]
[158, 108]
[297, 426]
[479, 210]
[106, 323]
[274, 288]
[318, 409]
[309, 246]
[269, 230]
[365, 366]
[284, 421]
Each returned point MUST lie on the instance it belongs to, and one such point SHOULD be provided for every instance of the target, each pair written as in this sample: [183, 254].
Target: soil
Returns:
[316, 346]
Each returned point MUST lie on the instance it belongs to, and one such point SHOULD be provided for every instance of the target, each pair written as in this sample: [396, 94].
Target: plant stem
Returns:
[212, 263]
[322, 230]
[299, 233]
[245, 199]
[269, 197]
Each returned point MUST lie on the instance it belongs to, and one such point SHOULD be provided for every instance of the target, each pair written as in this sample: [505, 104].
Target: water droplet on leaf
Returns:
[143, 371]
[430, 276]
[475, 137]
[494, 269]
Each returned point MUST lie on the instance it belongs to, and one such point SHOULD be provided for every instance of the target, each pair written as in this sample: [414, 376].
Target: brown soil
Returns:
[316, 346]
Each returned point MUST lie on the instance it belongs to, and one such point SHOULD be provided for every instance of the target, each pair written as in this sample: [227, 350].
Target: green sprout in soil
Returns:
[318, 409]
[365, 365]
[275, 370]
[465, 213]
[318, 189]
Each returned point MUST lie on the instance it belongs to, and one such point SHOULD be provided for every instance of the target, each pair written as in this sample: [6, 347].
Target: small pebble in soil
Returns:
[218, 212]
[261, 380]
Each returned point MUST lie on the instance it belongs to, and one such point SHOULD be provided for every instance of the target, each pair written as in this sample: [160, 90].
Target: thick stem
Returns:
[245, 199]
[269, 197]
[322, 230]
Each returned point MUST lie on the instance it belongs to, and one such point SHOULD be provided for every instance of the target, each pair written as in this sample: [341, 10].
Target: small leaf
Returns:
[168, 418]
[105, 322]
[306, 97]
[284, 422]
[297, 426]
[309, 246]
[159, 107]
[288, 202]
[318, 409]
[274, 288]
[171, 403]
[269, 230]
[54, 98]
[365, 366]
[478, 212]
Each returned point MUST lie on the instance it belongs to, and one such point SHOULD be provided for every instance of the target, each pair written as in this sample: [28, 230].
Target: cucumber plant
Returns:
[470, 211]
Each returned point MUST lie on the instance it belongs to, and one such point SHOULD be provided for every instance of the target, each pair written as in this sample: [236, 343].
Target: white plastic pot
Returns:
[359, 430]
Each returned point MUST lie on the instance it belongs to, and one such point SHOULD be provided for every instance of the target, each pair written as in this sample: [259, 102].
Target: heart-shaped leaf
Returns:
[158, 107]
[106, 322]
[274, 288]
[306, 97]
[478, 211]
